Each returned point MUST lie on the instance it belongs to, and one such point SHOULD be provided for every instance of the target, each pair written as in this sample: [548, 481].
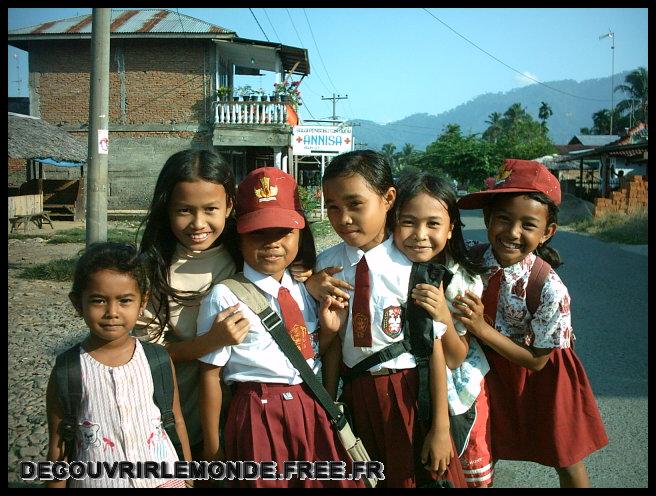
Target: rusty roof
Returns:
[127, 21]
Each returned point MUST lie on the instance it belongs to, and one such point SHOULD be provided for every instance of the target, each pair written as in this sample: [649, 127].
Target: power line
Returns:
[272, 26]
[509, 67]
[303, 44]
[258, 23]
[318, 51]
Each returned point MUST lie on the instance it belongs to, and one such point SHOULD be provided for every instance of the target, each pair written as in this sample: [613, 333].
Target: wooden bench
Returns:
[60, 196]
[24, 209]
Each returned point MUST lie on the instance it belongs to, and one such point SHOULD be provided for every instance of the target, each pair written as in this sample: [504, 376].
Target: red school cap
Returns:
[268, 197]
[516, 176]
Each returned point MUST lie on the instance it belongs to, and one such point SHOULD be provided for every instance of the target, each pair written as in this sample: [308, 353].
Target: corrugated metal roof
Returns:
[128, 21]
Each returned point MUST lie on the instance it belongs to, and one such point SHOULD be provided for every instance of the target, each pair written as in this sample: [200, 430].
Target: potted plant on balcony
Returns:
[246, 92]
[223, 92]
[288, 92]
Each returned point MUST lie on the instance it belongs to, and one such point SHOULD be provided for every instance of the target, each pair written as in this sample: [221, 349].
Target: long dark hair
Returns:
[413, 182]
[546, 253]
[158, 242]
[371, 165]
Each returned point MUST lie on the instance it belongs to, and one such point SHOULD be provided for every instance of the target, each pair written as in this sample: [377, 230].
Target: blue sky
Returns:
[395, 62]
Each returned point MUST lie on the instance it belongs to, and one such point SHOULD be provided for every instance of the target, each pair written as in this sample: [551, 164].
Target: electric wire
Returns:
[258, 23]
[319, 51]
[272, 26]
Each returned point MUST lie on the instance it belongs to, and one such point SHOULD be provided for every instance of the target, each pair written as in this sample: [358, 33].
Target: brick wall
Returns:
[163, 81]
[629, 199]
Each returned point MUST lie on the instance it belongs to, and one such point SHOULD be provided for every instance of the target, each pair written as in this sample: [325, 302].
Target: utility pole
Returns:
[611, 35]
[98, 143]
[334, 98]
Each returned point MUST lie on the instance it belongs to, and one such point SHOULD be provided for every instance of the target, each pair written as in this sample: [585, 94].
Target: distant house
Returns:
[165, 69]
[593, 140]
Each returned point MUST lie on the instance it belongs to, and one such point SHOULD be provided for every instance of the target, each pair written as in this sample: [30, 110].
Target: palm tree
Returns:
[388, 150]
[544, 112]
[515, 113]
[405, 155]
[636, 87]
[494, 130]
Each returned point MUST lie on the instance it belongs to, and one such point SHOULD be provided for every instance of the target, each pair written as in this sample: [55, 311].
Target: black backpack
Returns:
[68, 377]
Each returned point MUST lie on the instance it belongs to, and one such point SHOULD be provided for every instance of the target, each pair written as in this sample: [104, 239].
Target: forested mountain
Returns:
[569, 114]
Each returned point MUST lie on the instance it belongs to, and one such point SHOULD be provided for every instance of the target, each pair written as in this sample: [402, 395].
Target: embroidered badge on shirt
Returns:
[392, 321]
[89, 434]
[360, 325]
[266, 192]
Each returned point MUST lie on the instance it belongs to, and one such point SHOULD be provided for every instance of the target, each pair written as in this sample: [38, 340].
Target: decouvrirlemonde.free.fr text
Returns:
[203, 470]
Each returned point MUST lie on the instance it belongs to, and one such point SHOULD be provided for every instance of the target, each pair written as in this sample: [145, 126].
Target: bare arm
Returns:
[180, 426]
[331, 362]
[55, 414]
[525, 356]
[229, 328]
[436, 453]
[210, 410]
[433, 301]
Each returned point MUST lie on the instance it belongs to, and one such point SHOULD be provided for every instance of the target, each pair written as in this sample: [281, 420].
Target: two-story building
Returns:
[165, 68]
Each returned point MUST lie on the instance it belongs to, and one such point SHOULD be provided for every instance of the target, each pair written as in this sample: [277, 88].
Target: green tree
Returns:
[636, 87]
[495, 129]
[389, 149]
[406, 156]
[544, 112]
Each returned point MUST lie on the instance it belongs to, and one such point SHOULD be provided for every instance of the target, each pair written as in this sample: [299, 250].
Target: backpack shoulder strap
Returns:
[536, 279]
[247, 292]
[68, 377]
[160, 369]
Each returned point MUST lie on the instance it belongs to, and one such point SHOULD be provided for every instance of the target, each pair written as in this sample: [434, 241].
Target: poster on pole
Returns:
[322, 140]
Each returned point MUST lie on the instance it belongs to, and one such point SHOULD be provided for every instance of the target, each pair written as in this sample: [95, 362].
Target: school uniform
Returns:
[272, 415]
[549, 416]
[384, 401]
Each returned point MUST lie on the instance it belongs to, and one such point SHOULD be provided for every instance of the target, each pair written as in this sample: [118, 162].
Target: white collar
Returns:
[354, 254]
[267, 283]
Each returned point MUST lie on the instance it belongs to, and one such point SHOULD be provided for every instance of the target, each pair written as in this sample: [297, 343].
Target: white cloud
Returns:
[524, 78]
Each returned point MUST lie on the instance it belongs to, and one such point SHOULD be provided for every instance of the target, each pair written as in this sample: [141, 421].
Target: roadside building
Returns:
[165, 70]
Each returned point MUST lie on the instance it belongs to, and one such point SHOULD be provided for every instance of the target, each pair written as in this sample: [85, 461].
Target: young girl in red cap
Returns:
[272, 416]
[542, 408]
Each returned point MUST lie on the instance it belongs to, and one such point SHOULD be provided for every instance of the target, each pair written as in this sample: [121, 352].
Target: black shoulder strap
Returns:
[68, 377]
[160, 369]
[252, 296]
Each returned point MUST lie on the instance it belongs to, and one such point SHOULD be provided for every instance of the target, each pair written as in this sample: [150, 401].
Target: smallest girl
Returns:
[117, 419]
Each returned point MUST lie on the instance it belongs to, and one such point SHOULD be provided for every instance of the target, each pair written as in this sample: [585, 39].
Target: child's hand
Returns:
[332, 314]
[432, 300]
[299, 272]
[324, 284]
[471, 313]
[229, 327]
[436, 452]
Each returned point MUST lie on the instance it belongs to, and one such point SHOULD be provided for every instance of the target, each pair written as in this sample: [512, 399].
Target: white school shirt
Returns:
[389, 272]
[258, 358]
[118, 420]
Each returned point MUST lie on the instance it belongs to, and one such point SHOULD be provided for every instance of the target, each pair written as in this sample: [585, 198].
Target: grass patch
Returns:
[321, 228]
[618, 228]
[54, 270]
[78, 235]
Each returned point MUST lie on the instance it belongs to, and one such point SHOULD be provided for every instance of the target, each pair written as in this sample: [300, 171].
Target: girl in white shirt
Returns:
[272, 416]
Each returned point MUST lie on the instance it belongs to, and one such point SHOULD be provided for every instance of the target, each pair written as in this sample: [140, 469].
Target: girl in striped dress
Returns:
[117, 419]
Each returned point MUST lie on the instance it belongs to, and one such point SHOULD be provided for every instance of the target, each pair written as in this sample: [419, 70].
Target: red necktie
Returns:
[361, 313]
[294, 322]
[490, 297]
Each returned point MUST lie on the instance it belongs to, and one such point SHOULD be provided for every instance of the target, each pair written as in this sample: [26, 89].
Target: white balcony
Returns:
[266, 113]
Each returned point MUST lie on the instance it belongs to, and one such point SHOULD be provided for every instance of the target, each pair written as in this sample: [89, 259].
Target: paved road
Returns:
[608, 286]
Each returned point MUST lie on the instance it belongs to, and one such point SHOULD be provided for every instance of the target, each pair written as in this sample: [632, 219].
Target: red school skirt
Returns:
[279, 422]
[384, 413]
[549, 416]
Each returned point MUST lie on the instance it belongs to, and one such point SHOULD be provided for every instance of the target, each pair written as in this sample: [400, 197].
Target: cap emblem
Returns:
[266, 192]
[502, 175]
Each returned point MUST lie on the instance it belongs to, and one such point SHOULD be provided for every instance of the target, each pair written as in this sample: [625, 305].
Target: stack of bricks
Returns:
[631, 198]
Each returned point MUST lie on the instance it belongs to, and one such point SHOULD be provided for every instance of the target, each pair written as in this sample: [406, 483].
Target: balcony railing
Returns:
[250, 113]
